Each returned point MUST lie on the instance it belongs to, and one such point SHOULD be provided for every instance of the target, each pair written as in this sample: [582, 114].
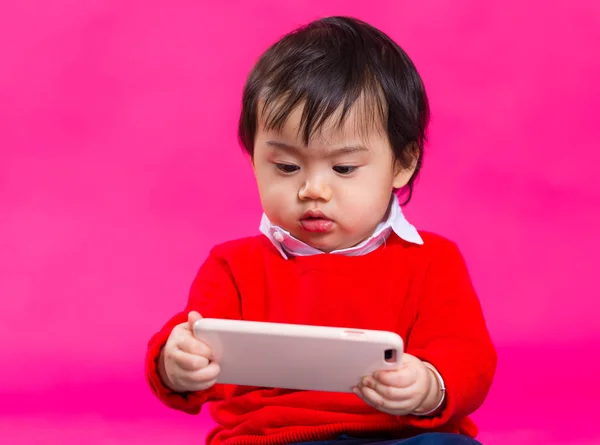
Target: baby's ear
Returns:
[403, 171]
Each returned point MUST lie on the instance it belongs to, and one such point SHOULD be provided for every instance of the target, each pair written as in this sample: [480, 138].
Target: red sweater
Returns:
[421, 292]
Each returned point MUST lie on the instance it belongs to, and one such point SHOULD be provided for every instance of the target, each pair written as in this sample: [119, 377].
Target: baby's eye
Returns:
[287, 168]
[344, 169]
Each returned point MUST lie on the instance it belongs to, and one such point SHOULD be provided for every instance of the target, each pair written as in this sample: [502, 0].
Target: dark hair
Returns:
[330, 63]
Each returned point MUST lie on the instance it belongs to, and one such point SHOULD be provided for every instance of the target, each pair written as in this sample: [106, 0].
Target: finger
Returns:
[202, 386]
[388, 392]
[189, 362]
[360, 392]
[400, 378]
[193, 317]
[203, 376]
[191, 345]
[373, 399]
[408, 359]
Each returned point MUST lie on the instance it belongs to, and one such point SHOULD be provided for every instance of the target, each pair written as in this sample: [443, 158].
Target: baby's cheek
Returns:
[365, 213]
[276, 204]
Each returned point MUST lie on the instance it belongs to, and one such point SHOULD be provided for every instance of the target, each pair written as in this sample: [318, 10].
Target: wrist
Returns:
[436, 396]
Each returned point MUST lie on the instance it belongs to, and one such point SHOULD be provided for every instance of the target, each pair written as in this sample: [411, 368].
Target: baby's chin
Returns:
[326, 242]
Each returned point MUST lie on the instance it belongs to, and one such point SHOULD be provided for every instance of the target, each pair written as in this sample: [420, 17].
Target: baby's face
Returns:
[333, 192]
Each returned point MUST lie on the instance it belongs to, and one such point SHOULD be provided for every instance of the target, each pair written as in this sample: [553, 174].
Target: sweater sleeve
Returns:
[450, 333]
[214, 295]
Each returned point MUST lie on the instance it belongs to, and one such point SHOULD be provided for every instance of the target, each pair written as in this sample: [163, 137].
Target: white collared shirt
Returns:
[286, 244]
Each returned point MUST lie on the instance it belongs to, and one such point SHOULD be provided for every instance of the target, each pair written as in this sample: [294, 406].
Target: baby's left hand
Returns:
[402, 391]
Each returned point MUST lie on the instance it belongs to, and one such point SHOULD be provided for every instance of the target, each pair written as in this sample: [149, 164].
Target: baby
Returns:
[334, 118]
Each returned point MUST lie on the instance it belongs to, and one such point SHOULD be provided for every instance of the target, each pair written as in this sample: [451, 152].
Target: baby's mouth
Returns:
[316, 224]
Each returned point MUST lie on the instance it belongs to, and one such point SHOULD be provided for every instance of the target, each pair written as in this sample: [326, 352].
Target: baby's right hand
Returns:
[184, 363]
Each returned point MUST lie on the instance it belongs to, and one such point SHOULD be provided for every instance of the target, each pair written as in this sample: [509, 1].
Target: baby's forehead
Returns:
[359, 122]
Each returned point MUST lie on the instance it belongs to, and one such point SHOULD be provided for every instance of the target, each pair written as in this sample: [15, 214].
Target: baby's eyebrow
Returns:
[346, 149]
[283, 146]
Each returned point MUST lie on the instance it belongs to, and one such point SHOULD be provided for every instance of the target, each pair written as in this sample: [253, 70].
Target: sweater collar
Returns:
[287, 245]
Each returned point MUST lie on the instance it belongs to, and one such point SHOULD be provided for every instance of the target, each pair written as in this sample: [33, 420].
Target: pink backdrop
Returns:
[120, 168]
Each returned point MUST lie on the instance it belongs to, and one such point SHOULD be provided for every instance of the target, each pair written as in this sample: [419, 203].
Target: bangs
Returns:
[326, 101]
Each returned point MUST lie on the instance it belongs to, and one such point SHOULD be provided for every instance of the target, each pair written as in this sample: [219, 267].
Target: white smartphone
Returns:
[289, 356]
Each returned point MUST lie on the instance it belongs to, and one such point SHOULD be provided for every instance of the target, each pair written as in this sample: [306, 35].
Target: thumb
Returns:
[193, 317]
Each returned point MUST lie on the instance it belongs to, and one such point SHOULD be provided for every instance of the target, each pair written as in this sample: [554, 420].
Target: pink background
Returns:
[120, 168]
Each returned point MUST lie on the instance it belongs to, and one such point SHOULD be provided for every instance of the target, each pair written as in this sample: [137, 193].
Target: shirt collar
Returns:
[287, 245]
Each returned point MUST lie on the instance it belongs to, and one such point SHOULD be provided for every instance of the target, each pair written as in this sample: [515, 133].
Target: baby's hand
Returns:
[184, 363]
[410, 389]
